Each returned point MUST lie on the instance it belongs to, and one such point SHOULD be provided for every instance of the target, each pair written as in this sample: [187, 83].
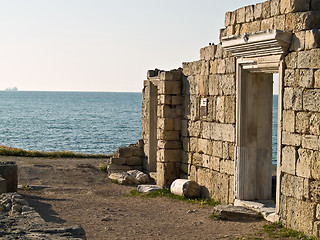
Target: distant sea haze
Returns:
[88, 122]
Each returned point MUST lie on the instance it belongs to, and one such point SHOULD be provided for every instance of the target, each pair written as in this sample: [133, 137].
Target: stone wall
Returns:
[208, 132]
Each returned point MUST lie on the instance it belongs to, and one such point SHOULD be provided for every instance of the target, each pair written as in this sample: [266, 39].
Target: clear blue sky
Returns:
[102, 45]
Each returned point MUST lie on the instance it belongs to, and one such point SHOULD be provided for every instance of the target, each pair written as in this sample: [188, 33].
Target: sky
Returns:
[102, 45]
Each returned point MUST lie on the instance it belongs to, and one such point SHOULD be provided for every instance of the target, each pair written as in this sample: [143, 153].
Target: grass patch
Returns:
[276, 230]
[215, 217]
[104, 168]
[166, 193]
[17, 152]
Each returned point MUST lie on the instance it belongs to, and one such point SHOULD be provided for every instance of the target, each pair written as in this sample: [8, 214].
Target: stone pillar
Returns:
[169, 127]
[9, 171]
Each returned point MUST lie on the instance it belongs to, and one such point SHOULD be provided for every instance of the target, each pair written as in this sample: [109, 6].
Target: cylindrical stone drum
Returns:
[185, 188]
[9, 171]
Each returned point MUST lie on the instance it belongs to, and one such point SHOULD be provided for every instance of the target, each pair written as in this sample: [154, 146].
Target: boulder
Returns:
[148, 188]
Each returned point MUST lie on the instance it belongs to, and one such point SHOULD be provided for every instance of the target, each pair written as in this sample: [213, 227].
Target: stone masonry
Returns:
[191, 125]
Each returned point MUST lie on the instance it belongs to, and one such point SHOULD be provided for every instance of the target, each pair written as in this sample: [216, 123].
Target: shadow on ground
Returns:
[44, 209]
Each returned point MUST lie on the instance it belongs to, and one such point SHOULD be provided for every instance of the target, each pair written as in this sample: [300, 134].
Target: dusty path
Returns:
[80, 194]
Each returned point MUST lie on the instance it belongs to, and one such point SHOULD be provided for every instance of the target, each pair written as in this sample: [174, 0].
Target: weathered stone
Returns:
[249, 13]
[311, 100]
[173, 75]
[205, 68]
[315, 124]
[314, 58]
[288, 6]
[148, 188]
[258, 11]
[291, 139]
[304, 58]
[227, 19]
[305, 159]
[306, 78]
[169, 155]
[134, 161]
[279, 22]
[291, 60]
[227, 85]
[185, 188]
[9, 171]
[203, 85]
[230, 65]
[194, 128]
[230, 109]
[214, 85]
[113, 168]
[315, 5]
[315, 173]
[118, 161]
[289, 120]
[298, 41]
[227, 167]
[221, 66]
[220, 109]
[274, 7]
[241, 15]
[208, 53]
[266, 10]
[312, 39]
[292, 99]
[310, 142]
[292, 186]
[217, 149]
[3, 185]
[302, 122]
[167, 173]
[211, 162]
[289, 156]
[315, 191]
[235, 213]
[266, 24]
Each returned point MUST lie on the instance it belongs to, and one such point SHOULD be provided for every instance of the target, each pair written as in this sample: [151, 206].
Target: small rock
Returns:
[16, 207]
[148, 188]
[192, 211]
[107, 219]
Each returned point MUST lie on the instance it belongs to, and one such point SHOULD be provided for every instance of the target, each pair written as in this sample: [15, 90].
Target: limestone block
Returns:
[231, 65]
[279, 22]
[233, 18]
[289, 6]
[291, 60]
[193, 144]
[220, 109]
[236, 29]
[317, 79]
[266, 24]
[173, 75]
[227, 85]
[289, 156]
[292, 99]
[245, 28]
[241, 15]
[187, 68]
[266, 9]
[203, 85]
[184, 128]
[225, 150]
[302, 122]
[170, 87]
[193, 85]
[167, 173]
[305, 159]
[315, 124]
[212, 163]
[220, 185]
[214, 84]
[194, 108]
[306, 78]
[230, 109]
[203, 146]
[227, 19]
[315, 173]
[118, 161]
[165, 99]
[169, 155]
[292, 186]
[169, 144]
[258, 11]
[211, 109]
[166, 124]
[310, 142]
[206, 130]
[197, 159]
[194, 129]
[291, 78]
[184, 167]
[213, 66]
[168, 135]
[298, 41]
[315, 5]
[291, 139]
[3, 186]
[316, 229]
[113, 168]
[227, 167]
[304, 58]
[299, 21]
[217, 149]
[249, 13]
[274, 7]
[205, 179]
[221, 69]
[177, 125]
[315, 191]
[219, 51]
[165, 111]
[223, 132]
[134, 161]
[205, 68]
[311, 98]
[314, 58]
[288, 120]
[176, 100]
[208, 53]
[312, 39]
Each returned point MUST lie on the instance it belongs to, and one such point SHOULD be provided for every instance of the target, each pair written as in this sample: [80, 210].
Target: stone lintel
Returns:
[258, 44]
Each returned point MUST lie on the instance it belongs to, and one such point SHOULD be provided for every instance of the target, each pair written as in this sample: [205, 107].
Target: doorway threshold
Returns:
[267, 208]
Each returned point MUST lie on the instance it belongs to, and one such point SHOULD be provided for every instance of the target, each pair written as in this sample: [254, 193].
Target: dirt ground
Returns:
[78, 193]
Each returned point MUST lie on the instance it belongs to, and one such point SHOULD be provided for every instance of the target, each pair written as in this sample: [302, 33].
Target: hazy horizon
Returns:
[107, 46]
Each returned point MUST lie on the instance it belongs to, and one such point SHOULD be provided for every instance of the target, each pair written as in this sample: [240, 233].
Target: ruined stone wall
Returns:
[300, 164]
[208, 134]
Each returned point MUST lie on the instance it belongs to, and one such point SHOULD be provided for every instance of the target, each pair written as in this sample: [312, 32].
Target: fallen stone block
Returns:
[235, 213]
[185, 188]
[148, 188]
[139, 176]
[123, 178]
[118, 160]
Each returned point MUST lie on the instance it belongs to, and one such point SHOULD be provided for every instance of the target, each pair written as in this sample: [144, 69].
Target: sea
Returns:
[84, 122]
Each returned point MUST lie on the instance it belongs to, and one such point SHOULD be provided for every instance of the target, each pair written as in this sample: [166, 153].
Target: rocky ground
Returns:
[69, 192]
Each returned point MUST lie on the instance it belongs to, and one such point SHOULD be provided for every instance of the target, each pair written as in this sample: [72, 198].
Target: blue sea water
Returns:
[89, 122]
